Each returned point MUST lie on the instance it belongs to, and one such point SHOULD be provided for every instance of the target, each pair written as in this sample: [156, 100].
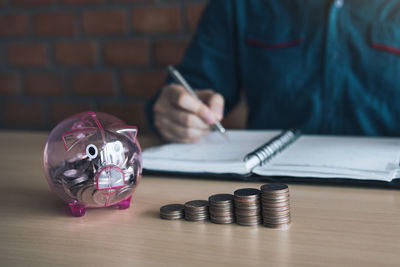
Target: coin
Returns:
[166, 217]
[221, 208]
[71, 173]
[273, 187]
[275, 213]
[247, 206]
[172, 208]
[285, 208]
[283, 226]
[277, 219]
[247, 193]
[124, 192]
[84, 195]
[275, 197]
[227, 207]
[100, 198]
[81, 179]
[196, 204]
[249, 220]
[222, 220]
[196, 210]
[221, 199]
[172, 211]
[275, 205]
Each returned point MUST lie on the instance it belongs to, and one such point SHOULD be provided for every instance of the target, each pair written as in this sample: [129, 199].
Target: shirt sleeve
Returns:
[210, 61]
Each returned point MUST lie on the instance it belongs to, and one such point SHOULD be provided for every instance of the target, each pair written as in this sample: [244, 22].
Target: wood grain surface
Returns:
[332, 226]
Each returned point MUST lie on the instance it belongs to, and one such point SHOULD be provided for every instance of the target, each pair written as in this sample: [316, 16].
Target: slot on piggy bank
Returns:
[93, 160]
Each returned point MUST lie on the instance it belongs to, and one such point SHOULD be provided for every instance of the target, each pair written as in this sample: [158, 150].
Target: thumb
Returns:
[214, 101]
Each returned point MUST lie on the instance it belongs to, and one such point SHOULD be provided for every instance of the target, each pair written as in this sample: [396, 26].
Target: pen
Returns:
[179, 79]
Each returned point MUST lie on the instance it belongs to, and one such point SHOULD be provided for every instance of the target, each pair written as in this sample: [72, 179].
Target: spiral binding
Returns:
[268, 150]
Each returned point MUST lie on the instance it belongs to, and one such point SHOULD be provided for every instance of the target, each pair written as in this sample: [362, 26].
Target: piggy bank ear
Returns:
[70, 139]
[128, 131]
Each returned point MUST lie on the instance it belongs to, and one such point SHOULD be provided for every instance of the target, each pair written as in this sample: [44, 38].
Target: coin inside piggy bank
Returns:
[93, 159]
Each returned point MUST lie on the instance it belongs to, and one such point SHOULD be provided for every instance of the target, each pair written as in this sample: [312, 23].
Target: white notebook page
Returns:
[212, 154]
[337, 157]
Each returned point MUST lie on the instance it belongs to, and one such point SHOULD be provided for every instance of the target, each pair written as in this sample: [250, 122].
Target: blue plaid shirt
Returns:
[326, 67]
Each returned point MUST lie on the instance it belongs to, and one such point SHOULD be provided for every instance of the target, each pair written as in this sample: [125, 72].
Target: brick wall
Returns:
[60, 57]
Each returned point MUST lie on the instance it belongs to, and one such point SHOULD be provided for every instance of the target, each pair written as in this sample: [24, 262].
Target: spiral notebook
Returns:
[276, 153]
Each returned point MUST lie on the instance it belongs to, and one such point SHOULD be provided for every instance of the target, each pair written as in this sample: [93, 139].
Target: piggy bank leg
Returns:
[77, 210]
[124, 204]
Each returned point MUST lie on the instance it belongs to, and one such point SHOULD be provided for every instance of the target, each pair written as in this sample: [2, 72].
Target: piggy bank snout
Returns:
[110, 177]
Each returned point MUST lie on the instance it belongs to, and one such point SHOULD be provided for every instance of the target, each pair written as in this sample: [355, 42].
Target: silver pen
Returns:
[179, 79]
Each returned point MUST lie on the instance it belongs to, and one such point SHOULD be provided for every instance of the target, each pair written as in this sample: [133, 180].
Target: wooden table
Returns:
[332, 226]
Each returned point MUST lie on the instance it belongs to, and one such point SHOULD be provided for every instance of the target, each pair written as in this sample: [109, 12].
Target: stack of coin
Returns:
[275, 205]
[247, 206]
[221, 208]
[196, 210]
[73, 180]
[172, 212]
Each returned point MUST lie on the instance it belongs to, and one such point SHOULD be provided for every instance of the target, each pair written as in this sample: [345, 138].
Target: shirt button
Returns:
[339, 3]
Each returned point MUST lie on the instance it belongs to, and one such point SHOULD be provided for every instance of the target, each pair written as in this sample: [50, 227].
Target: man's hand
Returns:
[179, 117]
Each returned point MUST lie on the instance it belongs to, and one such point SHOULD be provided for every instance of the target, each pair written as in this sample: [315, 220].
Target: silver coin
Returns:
[275, 187]
[249, 223]
[276, 213]
[277, 219]
[124, 192]
[222, 220]
[221, 199]
[101, 198]
[196, 204]
[275, 205]
[85, 195]
[247, 193]
[196, 219]
[71, 173]
[283, 226]
[172, 208]
[169, 217]
[81, 179]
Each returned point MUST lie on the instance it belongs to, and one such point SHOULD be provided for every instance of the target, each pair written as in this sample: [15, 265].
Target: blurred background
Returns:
[60, 57]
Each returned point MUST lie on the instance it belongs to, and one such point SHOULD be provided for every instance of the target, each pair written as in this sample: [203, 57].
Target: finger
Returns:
[216, 104]
[214, 101]
[167, 136]
[186, 119]
[183, 133]
[170, 134]
[178, 132]
[179, 116]
[178, 96]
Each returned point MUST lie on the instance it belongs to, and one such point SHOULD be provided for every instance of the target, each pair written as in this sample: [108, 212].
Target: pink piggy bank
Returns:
[93, 160]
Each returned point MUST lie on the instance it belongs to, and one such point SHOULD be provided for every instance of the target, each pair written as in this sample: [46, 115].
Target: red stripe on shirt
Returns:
[386, 48]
